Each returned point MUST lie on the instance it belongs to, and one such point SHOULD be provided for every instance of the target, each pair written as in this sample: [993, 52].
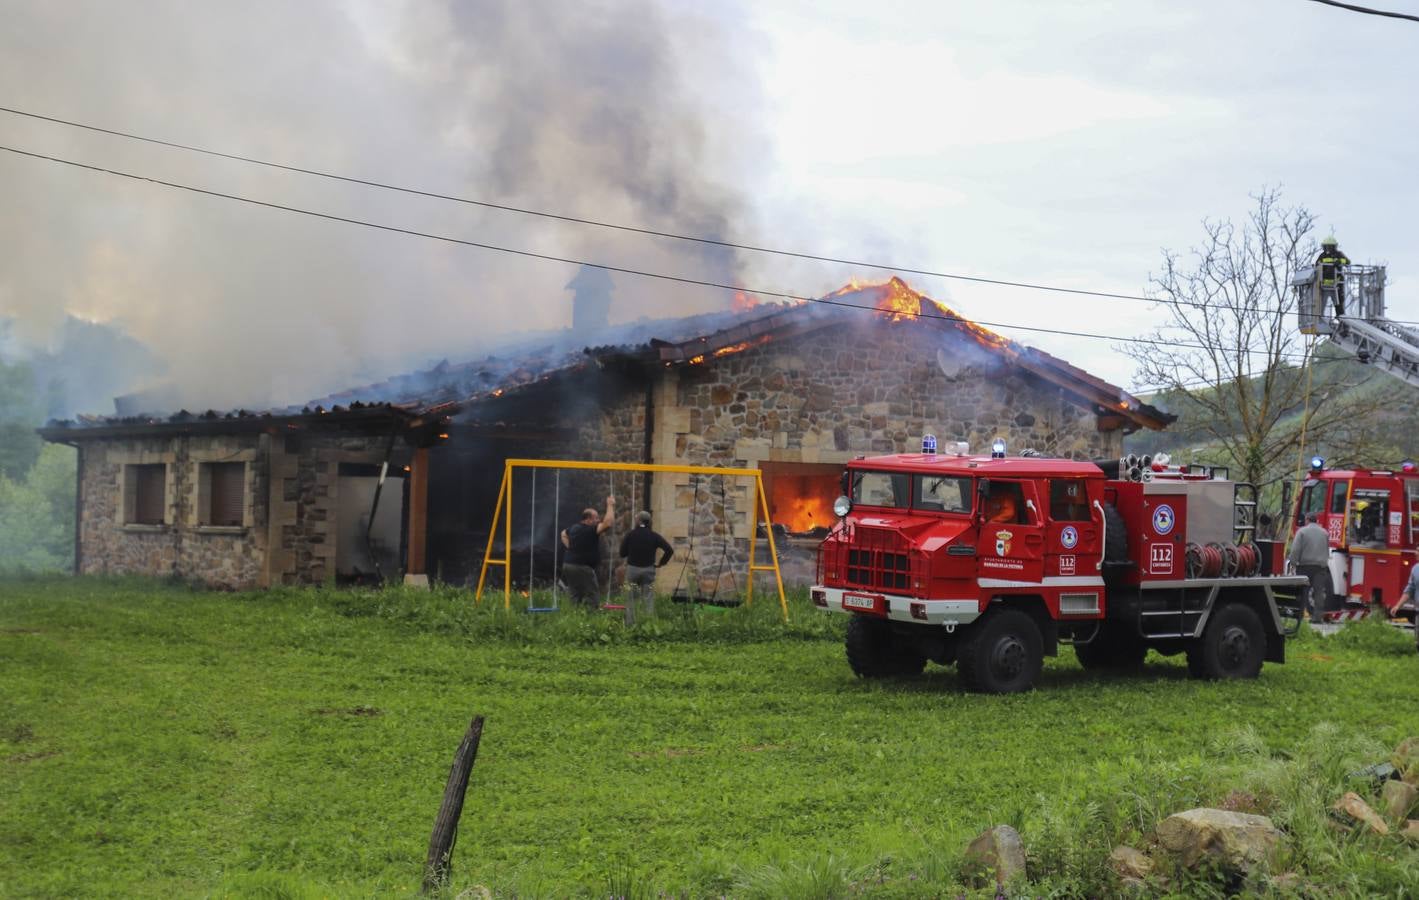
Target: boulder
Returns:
[1357, 809]
[999, 851]
[1398, 799]
[1234, 840]
[1406, 759]
[1133, 866]
[1410, 831]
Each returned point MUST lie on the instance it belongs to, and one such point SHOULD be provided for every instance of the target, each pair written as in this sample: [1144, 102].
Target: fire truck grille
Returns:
[878, 569]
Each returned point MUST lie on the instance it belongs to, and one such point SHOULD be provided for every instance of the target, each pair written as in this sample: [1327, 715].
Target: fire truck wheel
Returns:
[1112, 649]
[874, 652]
[1003, 654]
[1232, 646]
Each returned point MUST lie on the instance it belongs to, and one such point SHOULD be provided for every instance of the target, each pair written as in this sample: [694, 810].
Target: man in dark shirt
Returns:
[638, 549]
[583, 543]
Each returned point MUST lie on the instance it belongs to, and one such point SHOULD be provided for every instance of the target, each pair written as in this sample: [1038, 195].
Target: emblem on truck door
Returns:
[1002, 543]
[1163, 519]
[1069, 537]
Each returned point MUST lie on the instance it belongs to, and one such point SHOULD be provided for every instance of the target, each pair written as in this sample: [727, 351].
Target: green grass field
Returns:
[161, 741]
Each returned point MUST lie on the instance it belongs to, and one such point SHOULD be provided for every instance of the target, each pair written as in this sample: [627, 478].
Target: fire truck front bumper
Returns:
[897, 608]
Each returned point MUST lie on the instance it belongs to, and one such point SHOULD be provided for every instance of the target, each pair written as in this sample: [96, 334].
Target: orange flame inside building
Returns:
[801, 495]
[798, 506]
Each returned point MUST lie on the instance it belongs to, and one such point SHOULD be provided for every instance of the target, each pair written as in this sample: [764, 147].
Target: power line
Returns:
[606, 267]
[632, 229]
[1368, 11]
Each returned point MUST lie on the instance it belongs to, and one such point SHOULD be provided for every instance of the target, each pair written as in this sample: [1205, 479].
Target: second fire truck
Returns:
[1372, 519]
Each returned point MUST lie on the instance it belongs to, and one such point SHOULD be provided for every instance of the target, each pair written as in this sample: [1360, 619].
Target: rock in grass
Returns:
[1133, 866]
[1406, 759]
[1356, 808]
[998, 850]
[1410, 831]
[1287, 883]
[1398, 799]
[1236, 841]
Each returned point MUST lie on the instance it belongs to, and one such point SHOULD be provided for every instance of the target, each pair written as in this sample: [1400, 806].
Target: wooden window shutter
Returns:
[149, 493]
[227, 494]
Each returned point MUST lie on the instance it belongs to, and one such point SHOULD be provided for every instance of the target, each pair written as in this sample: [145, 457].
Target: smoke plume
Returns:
[628, 112]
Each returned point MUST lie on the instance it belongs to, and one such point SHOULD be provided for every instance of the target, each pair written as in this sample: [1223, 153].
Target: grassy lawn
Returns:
[160, 741]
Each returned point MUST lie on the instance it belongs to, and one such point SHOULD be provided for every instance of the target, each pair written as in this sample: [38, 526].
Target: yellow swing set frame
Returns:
[502, 514]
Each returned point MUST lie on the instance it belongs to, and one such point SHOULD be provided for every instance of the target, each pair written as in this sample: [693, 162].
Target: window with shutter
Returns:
[149, 494]
[225, 495]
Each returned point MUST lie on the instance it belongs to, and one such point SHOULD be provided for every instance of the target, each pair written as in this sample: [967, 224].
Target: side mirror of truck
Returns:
[846, 482]
[982, 491]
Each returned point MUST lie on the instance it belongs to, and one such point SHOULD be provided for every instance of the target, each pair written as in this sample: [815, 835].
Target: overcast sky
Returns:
[1063, 143]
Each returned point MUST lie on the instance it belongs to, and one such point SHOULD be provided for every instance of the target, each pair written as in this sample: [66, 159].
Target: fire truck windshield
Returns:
[889, 489]
[942, 493]
[1312, 501]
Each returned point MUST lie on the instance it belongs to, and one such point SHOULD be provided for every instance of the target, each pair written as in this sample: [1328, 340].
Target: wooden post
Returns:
[418, 510]
[440, 861]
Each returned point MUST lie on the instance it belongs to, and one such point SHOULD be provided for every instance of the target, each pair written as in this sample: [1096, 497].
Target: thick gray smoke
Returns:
[629, 112]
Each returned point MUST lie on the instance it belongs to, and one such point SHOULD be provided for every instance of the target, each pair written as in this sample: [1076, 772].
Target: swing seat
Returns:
[541, 609]
[614, 606]
[683, 596]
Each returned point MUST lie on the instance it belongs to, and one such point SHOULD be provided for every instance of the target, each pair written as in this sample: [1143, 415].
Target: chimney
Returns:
[591, 300]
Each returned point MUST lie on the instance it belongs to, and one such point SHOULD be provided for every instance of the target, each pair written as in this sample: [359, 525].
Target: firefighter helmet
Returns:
[1330, 241]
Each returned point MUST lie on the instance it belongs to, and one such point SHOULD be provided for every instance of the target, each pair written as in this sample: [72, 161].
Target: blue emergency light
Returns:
[997, 449]
[928, 444]
[1317, 463]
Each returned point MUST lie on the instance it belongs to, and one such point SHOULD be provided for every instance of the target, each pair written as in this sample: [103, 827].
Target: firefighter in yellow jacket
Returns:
[1331, 264]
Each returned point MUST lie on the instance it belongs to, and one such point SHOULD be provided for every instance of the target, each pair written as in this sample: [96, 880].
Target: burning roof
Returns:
[691, 340]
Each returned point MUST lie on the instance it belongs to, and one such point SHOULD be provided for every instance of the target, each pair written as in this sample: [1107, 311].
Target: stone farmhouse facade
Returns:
[279, 498]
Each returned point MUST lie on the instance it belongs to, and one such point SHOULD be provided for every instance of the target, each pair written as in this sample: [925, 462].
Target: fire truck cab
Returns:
[1372, 519]
[992, 562]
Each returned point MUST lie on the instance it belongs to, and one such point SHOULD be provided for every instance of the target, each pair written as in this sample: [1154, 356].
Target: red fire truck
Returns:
[991, 562]
[1372, 518]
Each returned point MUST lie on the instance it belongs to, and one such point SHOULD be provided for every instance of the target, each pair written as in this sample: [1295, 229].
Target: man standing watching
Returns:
[1310, 553]
[638, 548]
[1411, 590]
[583, 543]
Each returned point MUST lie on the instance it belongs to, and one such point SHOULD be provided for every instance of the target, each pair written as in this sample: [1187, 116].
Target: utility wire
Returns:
[632, 229]
[828, 301]
[1368, 11]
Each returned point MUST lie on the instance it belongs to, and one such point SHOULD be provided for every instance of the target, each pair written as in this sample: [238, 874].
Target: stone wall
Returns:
[829, 396]
[305, 501]
[182, 546]
[291, 499]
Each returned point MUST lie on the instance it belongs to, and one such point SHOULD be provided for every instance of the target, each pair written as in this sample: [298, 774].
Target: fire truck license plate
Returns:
[860, 601]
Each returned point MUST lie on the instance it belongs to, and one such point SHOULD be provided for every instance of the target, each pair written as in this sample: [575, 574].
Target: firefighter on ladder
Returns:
[1331, 265]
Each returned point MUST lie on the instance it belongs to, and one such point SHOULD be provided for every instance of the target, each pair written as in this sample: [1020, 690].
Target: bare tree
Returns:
[1232, 360]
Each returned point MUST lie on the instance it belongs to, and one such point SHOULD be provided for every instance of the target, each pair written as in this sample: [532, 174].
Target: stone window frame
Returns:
[127, 476]
[199, 488]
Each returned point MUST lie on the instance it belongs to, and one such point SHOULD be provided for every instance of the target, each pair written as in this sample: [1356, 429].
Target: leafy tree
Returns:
[37, 514]
[1231, 360]
[19, 415]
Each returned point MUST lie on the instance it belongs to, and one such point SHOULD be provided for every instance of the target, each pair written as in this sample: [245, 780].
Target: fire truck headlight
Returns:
[1317, 463]
[842, 506]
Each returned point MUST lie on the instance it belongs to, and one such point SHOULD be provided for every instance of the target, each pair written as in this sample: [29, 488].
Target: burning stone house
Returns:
[295, 496]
